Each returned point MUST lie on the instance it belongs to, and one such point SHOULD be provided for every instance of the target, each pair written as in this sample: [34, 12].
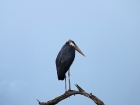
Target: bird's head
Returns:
[72, 43]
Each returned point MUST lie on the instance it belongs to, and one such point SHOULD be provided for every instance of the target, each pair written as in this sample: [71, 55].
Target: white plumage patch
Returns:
[72, 44]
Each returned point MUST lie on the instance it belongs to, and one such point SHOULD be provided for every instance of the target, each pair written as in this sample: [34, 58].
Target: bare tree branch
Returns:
[70, 93]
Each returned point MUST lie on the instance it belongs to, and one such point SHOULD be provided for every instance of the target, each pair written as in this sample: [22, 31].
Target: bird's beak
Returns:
[78, 49]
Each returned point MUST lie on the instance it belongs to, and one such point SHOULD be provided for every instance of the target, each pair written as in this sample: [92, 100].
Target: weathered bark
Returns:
[72, 92]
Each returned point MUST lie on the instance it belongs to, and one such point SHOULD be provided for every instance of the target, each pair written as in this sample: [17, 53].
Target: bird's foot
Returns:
[70, 89]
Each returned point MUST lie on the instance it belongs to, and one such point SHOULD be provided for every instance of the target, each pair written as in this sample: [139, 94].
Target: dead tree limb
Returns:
[70, 93]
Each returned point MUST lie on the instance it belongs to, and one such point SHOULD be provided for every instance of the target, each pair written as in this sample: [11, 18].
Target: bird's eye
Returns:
[73, 42]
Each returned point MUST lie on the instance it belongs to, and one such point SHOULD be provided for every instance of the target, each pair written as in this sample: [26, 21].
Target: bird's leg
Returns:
[69, 79]
[65, 84]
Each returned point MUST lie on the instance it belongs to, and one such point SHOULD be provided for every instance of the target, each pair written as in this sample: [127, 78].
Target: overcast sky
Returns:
[32, 33]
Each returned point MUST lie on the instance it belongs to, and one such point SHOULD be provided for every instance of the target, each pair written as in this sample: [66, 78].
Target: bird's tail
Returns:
[61, 74]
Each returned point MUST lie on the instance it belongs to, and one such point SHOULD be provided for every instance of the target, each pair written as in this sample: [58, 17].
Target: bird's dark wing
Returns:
[64, 60]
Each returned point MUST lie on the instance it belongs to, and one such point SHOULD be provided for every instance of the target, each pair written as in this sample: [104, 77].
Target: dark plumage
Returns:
[64, 60]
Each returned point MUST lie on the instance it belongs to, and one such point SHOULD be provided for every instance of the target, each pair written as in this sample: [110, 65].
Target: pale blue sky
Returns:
[33, 31]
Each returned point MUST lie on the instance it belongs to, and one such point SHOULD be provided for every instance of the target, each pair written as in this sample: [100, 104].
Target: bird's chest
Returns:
[68, 54]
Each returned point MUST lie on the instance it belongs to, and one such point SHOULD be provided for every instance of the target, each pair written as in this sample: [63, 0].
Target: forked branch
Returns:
[70, 93]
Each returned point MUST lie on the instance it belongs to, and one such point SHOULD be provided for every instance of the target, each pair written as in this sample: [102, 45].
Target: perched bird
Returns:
[64, 60]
